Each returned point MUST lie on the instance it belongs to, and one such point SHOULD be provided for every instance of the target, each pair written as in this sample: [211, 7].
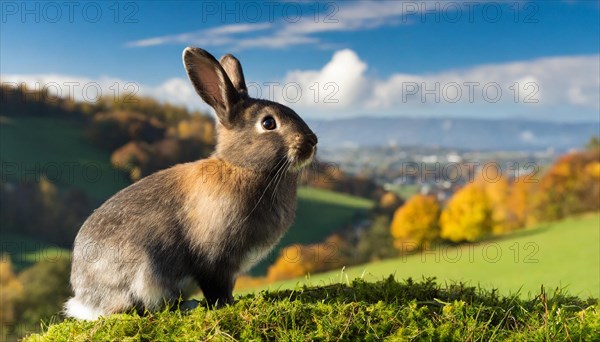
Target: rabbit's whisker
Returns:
[271, 181]
[280, 175]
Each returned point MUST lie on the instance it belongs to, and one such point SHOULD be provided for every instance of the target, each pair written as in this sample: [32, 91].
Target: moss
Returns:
[422, 310]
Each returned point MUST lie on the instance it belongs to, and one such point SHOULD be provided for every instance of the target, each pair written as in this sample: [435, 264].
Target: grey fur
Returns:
[202, 222]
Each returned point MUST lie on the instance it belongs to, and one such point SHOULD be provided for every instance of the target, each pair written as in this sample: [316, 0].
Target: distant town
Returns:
[432, 170]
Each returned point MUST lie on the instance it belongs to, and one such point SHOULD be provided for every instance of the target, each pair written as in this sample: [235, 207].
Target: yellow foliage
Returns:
[467, 217]
[498, 193]
[416, 222]
[593, 169]
[520, 202]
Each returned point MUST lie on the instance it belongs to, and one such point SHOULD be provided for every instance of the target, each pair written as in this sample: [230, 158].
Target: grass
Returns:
[565, 254]
[320, 212]
[359, 311]
[30, 146]
[25, 252]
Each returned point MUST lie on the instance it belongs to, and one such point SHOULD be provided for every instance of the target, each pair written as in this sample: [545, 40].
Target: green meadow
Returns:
[564, 255]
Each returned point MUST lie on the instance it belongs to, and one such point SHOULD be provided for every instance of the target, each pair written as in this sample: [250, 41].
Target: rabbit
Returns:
[199, 223]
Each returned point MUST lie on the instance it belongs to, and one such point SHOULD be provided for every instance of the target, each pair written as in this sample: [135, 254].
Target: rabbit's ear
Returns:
[211, 83]
[233, 68]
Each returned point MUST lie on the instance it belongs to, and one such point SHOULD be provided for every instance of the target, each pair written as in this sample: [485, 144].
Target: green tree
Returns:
[376, 242]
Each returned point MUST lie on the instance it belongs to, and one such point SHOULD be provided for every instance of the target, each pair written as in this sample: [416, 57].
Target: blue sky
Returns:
[374, 52]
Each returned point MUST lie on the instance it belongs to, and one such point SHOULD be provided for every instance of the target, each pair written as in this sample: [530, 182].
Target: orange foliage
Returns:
[569, 187]
[389, 201]
[298, 260]
[248, 282]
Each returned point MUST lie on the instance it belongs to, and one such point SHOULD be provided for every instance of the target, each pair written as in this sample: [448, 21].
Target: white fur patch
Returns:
[147, 289]
[75, 309]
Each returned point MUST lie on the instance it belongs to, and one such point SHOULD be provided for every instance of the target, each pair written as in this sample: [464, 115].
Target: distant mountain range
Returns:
[466, 134]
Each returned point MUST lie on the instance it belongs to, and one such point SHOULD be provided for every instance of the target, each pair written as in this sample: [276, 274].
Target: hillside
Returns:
[386, 309]
[57, 147]
[563, 254]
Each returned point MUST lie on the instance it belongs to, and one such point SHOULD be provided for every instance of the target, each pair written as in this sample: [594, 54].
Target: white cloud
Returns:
[220, 35]
[291, 30]
[551, 87]
[551, 81]
[338, 85]
[178, 91]
[565, 88]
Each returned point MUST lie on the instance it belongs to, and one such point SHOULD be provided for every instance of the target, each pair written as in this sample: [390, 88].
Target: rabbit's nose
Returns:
[312, 140]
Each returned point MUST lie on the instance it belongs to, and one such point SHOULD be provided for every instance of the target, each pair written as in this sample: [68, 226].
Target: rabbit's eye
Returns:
[269, 123]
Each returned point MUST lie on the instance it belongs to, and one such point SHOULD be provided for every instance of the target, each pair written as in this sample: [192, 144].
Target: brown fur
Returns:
[204, 221]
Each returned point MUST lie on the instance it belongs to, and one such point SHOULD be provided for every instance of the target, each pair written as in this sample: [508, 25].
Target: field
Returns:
[30, 146]
[564, 254]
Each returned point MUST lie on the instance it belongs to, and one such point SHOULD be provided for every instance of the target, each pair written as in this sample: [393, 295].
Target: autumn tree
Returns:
[498, 191]
[416, 223]
[570, 186]
[520, 202]
[468, 216]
